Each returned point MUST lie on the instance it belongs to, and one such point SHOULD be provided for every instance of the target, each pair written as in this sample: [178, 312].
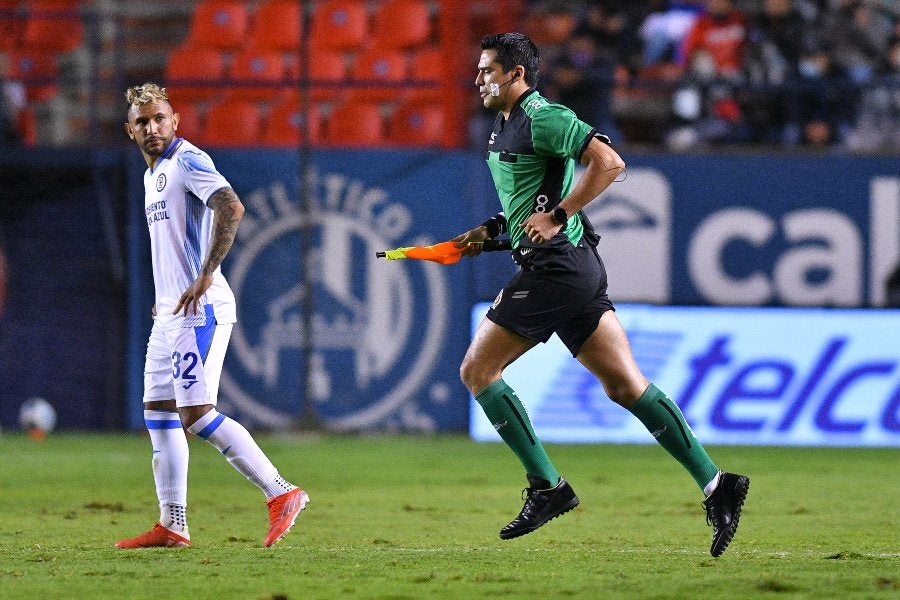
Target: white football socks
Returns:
[170, 468]
[710, 487]
[231, 439]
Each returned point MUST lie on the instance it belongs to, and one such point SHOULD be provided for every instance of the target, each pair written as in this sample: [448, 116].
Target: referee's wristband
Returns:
[495, 225]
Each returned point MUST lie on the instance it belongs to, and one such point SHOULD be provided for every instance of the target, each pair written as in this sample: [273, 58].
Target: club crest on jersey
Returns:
[375, 332]
[161, 182]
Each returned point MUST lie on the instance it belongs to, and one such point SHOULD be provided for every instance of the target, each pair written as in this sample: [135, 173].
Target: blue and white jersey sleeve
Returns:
[177, 190]
[200, 175]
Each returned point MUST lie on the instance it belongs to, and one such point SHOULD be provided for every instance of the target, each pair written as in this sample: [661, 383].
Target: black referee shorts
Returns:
[555, 293]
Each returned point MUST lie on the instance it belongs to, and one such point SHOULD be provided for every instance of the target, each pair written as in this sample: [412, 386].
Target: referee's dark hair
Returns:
[515, 49]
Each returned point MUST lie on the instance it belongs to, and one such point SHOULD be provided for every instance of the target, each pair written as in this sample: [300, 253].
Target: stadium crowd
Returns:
[696, 73]
[679, 74]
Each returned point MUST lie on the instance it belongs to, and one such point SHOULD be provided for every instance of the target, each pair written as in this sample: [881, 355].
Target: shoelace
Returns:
[528, 496]
[712, 512]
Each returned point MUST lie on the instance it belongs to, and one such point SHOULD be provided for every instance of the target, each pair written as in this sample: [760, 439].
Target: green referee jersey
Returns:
[532, 157]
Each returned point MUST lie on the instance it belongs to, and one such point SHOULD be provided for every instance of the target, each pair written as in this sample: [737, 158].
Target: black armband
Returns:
[495, 225]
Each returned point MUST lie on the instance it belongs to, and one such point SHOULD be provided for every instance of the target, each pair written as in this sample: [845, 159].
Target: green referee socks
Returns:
[664, 420]
[510, 419]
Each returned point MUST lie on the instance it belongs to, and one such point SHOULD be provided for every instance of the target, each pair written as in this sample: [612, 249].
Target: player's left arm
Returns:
[602, 166]
[228, 211]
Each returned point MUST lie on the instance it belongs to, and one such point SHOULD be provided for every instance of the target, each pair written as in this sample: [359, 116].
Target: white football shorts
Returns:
[186, 364]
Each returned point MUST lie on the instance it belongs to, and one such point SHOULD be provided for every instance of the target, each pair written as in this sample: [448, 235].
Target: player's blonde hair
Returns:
[146, 94]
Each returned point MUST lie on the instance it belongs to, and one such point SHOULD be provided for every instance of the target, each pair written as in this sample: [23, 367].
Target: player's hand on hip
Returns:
[189, 303]
[540, 227]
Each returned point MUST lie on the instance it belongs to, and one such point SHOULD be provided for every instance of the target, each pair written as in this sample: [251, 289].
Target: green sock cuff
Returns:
[645, 402]
[492, 390]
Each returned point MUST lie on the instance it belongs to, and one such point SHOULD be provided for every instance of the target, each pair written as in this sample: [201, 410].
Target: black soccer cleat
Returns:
[542, 503]
[723, 509]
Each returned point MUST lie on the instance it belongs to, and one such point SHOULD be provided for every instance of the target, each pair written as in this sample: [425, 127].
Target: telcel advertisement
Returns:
[768, 376]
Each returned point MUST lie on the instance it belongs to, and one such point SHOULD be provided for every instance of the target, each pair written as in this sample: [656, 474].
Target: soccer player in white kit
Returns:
[193, 214]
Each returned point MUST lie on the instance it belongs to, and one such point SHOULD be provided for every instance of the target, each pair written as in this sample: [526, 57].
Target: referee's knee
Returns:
[474, 376]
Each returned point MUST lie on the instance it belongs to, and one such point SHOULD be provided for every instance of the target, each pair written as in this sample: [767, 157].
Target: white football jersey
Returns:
[181, 225]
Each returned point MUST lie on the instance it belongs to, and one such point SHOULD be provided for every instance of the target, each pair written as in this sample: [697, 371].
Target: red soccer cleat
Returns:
[283, 511]
[158, 537]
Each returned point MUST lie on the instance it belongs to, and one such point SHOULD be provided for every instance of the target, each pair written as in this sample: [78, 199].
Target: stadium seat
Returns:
[38, 71]
[194, 74]
[277, 25]
[339, 25]
[416, 125]
[327, 73]
[12, 22]
[354, 124]
[257, 74]
[402, 24]
[550, 26]
[286, 123]
[425, 69]
[219, 24]
[373, 69]
[52, 26]
[232, 123]
[189, 123]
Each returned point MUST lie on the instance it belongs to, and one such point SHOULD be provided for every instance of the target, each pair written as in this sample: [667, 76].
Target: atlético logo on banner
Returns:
[377, 331]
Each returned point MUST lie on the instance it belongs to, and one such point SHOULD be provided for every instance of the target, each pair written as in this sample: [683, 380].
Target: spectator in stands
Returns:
[878, 113]
[664, 30]
[821, 100]
[12, 102]
[774, 41]
[717, 39]
[705, 108]
[858, 34]
[608, 24]
[583, 78]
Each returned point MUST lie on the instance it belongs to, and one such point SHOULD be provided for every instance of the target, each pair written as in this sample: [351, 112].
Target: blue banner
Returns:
[774, 376]
[385, 338]
[751, 230]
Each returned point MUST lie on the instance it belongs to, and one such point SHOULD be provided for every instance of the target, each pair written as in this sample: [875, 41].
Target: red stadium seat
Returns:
[189, 122]
[220, 24]
[194, 73]
[257, 74]
[12, 23]
[38, 71]
[327, 73]
[425, 69]
[339, 25]
[232, 123]
[416, 125]
[354, 124]
[402, 24]
[52, 26]
[375, 67]
[286, 124]
[277, 25]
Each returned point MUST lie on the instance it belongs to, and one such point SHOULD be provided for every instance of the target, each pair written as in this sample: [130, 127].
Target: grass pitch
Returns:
[412, 517]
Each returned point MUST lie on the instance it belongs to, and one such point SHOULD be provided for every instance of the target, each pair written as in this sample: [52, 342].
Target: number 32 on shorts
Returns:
[188, 361]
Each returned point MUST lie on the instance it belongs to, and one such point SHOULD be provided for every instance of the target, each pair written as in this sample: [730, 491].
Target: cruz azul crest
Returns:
[376, 333]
